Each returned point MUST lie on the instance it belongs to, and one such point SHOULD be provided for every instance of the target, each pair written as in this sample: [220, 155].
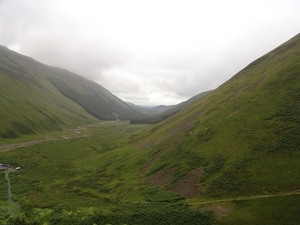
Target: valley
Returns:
[77, 176]
[99, 173]
[230, 156]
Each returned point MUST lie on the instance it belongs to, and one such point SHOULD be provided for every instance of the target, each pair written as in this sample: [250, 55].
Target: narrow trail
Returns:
[297, 192]
[204, 202]
[17, 205]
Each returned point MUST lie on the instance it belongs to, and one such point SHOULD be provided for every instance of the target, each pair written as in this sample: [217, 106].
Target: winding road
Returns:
[122, 131]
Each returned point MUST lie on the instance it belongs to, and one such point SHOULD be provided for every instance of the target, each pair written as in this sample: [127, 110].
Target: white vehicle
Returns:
[18, 168]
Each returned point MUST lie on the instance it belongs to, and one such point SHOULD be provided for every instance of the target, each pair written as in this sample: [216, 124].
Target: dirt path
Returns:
[17, 205]
[297, 192]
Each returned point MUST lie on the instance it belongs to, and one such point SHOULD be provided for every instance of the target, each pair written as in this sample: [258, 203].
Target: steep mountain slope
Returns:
[35, 97]
[241, 139]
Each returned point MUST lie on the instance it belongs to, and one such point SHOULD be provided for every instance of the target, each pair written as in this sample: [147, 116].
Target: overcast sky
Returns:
[149, 52]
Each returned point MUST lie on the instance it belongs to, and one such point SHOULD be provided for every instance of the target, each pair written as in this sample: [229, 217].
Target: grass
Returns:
[91, 175]
[3, 187]
[36, 99]
[243, 136]
[155, 194]
[72, 168]
[180, 158]
[277, 210]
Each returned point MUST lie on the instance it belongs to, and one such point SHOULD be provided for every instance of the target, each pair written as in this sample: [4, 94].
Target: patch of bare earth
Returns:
[220, 211]
[187, 186]
[161, 178]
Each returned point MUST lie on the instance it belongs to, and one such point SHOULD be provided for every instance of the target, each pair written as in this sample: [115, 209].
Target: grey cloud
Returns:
[53, 39]
[159, 53]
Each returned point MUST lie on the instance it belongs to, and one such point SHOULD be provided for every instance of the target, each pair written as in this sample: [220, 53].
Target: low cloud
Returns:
[150, 53]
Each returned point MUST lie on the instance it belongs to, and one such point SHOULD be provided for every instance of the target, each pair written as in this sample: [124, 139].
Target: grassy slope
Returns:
[28, 103]
[246, 116]
[86, 178]
[31, 104]
[244, 135]
[95, 99]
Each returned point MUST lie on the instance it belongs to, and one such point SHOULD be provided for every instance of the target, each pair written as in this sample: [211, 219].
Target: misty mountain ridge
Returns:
[160, 113]
[42, 98]
[35, 98]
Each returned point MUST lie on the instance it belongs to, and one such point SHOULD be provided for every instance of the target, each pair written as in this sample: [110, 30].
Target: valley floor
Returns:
[93, 173]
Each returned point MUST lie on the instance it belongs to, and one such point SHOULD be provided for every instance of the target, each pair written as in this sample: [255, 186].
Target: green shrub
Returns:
[155, 194]
[235, 180]
[3, 187]
[216, 165]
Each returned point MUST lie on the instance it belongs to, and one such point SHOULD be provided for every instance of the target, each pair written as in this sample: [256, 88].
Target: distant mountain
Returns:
[151, 110]
[160, 109]
[184, 104]
[95, 99]
[35, 97]
[141, 108]
[159, 113]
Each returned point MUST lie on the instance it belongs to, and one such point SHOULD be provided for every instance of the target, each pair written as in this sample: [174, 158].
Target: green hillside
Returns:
[37, 98]
[242, 139]
[231, 157]
[249, 119]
